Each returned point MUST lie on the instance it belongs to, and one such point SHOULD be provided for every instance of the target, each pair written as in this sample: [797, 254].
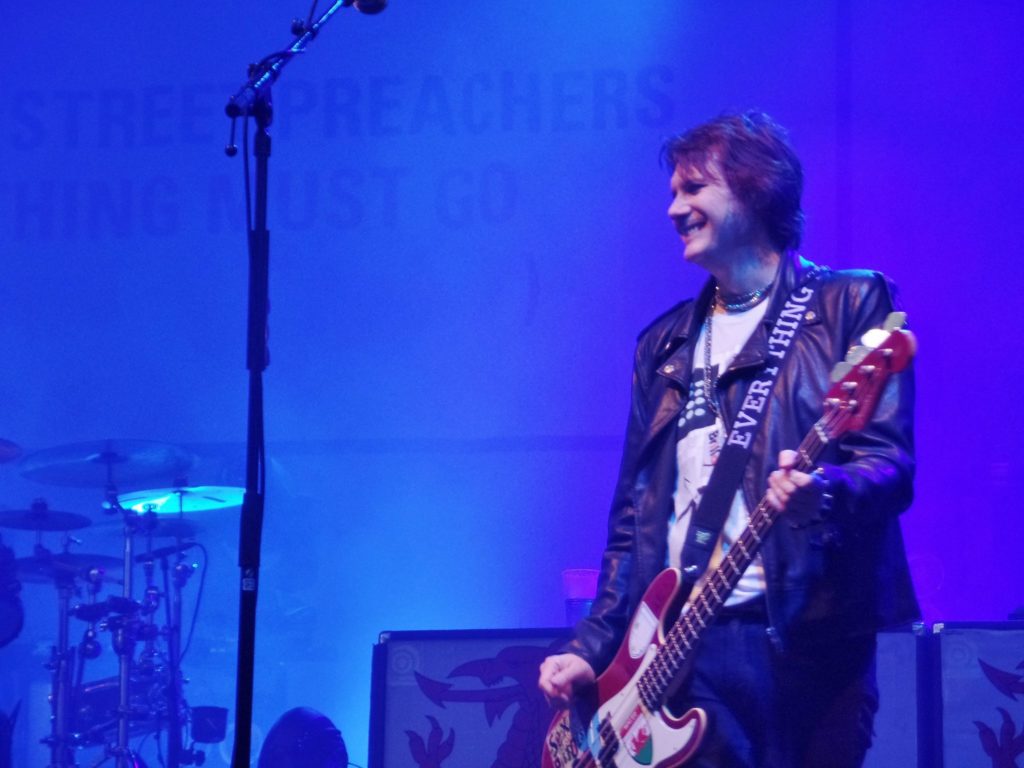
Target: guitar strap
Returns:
[711, 513]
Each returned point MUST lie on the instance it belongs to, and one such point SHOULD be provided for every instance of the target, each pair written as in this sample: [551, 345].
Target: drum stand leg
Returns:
[174, 692]
[124, 646]
[61, 662]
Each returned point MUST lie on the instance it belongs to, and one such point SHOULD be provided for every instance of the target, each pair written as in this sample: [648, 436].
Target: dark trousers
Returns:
[810, 707]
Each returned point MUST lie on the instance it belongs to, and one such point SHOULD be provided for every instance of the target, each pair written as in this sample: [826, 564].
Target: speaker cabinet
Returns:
[973, 705]
[896, 723]
[951, 697]
[459, 699]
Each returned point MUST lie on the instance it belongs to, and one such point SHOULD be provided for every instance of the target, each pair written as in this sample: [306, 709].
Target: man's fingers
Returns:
[787, 459]
[561, 674]
[800, 479]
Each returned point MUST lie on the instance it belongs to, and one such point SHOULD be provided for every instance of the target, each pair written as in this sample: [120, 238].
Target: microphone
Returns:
[369, 7]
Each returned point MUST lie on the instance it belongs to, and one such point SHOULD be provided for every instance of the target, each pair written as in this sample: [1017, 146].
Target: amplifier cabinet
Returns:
[459, 699]
[973, 704]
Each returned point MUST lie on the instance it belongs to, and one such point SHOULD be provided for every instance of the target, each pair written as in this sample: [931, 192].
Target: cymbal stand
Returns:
[174, 582]
[89, 647]
[62, 660]
[148, 662]
[125, 631]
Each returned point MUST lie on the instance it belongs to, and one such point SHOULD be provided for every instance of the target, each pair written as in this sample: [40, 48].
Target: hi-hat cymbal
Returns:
[171, 501]
[41, 518]
[47, 567]
[91, 465]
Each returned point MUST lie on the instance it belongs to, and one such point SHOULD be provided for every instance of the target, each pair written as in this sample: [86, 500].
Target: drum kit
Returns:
[143, 618]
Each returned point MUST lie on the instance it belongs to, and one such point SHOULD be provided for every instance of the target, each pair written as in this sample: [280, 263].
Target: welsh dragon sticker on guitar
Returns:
[621, 721]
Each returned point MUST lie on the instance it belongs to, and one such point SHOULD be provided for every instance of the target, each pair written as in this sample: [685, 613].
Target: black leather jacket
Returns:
[845, 573]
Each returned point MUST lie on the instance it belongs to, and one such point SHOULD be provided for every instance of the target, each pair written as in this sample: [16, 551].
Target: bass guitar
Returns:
[622, 721]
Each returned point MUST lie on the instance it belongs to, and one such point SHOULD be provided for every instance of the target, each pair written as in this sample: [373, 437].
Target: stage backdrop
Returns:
[468, 232]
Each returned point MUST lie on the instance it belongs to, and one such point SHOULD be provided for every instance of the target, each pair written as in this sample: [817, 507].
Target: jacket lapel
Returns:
[672, 382]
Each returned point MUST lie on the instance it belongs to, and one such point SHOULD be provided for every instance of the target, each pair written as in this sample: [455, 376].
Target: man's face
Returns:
[710, 220]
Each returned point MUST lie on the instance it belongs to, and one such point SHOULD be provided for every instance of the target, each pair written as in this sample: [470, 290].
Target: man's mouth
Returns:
[689, 229]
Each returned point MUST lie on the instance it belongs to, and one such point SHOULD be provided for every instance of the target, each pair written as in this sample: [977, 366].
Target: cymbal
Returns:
[42, 518]
[43, 568]
[9, 451]
[171, 501]
[95, 464]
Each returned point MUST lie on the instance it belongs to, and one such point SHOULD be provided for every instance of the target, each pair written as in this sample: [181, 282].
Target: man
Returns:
[786, 673]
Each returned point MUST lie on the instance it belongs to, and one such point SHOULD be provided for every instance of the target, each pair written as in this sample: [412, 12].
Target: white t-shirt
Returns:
[700, 436]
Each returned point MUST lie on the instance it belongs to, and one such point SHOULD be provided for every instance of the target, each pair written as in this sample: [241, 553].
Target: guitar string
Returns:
[659, 674]
[744, 550]
[761, 519]
[649, 691]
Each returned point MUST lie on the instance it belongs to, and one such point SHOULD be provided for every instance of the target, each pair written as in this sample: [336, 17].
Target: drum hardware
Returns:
[62, 570]
[143, 513]
[44, 567]
[175, 695]
[183, 499]
[39, 517]
[147, 694]
[61, 664]
[125, 631]
[101, 463]
[160, 552]
[89, 647]
[96, 708]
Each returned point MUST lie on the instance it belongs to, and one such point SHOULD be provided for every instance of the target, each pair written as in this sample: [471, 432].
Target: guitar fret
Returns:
[703, 600]
[677, 647]
[664, 679]
[647, 694]
[609, 745]
[711, 586]
[657, 671]
[848, 403]
[689, 626]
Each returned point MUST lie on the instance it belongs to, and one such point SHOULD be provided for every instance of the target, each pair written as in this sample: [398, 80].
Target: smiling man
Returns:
[785, 672]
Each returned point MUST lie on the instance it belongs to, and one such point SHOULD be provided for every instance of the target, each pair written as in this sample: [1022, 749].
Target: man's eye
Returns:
[692, 187]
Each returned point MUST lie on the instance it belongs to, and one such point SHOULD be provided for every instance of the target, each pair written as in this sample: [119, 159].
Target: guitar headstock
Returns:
[858, 380]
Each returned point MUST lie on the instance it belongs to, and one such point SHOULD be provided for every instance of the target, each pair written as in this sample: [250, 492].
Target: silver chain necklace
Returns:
[709, 392]
[741, 304]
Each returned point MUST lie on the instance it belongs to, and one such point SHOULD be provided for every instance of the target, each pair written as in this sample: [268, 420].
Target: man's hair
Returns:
[759, 166]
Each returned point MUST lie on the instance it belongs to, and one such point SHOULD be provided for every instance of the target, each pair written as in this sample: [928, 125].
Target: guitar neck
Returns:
[718, 584]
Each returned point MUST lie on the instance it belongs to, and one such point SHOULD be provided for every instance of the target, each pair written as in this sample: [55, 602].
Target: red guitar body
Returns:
[611, 725]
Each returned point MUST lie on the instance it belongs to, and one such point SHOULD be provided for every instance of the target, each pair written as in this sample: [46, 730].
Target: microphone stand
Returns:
[253, 99]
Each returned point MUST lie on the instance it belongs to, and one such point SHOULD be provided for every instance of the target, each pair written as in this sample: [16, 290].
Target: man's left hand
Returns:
[795, 492]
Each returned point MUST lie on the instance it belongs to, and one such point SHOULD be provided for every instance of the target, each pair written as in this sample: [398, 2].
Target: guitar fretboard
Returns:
[682, 638]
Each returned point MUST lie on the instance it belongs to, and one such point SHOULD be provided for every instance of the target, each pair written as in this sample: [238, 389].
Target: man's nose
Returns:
[678, 207]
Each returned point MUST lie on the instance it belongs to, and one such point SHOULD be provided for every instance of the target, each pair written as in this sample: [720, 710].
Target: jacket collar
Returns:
[793, 270]
[678, 367]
